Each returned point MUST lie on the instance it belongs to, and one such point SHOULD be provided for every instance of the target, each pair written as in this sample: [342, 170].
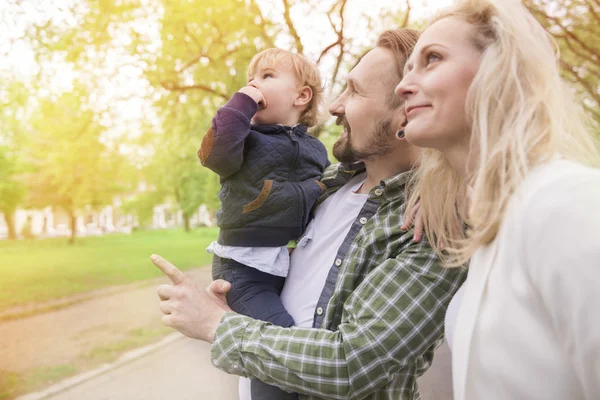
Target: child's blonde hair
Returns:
[306, 72]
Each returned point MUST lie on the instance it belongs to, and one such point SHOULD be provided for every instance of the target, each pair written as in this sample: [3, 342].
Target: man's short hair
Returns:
[306, 72]
[401, 43]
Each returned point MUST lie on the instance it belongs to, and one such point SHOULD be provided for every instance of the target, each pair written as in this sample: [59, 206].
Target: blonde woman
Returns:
[484, 96]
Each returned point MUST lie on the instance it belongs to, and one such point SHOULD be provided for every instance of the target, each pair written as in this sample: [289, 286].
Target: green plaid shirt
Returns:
[384, 312]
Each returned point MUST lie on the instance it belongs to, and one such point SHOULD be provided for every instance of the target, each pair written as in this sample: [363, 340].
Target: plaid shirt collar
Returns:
[336, 178]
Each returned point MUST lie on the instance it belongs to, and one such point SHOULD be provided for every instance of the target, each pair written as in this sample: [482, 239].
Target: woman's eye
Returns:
[432, 57]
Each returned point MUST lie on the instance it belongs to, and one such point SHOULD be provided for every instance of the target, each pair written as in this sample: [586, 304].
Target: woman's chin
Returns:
[414, 134]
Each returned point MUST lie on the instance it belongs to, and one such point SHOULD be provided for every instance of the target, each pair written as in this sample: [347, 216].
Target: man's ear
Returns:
[304, 97]
[400, 121]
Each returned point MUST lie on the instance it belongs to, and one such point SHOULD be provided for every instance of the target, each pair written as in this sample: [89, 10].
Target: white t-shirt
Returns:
[315, 254]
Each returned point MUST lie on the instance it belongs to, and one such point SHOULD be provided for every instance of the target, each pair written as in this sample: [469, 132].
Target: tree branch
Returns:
[177, 88]
[204, 54]
[593, 61]
[407, 15]
[593, 112]
[587, 86]
[193, 37]
[291, 27]
[340, 33]
[327, 49]
[570, 34]
[592, 11]
[595, 1]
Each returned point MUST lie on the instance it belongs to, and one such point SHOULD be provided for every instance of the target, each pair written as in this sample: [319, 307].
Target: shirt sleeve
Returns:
[562, 251]
[389, 321]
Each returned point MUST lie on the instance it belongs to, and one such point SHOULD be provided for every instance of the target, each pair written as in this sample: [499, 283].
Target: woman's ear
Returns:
[304, 96]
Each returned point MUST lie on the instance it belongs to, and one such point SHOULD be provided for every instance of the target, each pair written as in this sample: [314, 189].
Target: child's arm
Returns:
[222, 149]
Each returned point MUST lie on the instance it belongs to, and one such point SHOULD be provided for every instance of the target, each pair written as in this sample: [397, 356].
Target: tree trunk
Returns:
[186, 223]
[73, 223]
[9, 218]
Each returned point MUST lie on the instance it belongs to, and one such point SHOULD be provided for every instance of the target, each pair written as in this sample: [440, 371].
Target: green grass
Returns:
[9, 384]
[40, 270]
[12, 384]
[135, 338]
[45, 376]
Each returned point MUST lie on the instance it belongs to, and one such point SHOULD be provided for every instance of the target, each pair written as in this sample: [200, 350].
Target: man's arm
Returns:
[222, 148]
[390, 320]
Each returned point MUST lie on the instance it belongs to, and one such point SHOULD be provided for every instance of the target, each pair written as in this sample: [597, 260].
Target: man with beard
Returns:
[368, 301]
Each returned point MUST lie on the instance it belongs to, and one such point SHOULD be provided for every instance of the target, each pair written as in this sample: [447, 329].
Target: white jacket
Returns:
[528, 326]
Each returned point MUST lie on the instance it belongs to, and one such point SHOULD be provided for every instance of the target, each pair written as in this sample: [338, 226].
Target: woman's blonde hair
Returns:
[521, 113]
[306, 73]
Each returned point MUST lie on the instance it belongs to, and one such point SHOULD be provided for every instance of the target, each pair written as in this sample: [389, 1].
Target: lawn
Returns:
[40, 270]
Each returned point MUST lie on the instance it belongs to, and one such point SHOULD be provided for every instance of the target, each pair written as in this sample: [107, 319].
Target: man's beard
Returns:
[379, 144]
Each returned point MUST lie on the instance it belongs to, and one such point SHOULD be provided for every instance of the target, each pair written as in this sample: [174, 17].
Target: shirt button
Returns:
[378, 192]
[338, 262]
[319, 310]
[363, 220]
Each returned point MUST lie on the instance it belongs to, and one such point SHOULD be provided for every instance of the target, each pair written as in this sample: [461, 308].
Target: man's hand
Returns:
[256, 95]
[188, 309]
[217, 290]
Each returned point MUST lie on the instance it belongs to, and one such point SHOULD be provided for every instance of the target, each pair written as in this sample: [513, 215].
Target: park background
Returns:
[103, 105]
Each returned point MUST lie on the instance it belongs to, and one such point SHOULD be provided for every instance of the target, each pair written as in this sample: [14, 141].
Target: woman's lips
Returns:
[412, 110]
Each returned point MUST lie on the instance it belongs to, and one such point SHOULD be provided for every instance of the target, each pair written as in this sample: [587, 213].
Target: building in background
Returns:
[54, 222]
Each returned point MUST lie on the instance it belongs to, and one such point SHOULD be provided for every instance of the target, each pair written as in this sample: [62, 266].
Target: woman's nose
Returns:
[404, 89]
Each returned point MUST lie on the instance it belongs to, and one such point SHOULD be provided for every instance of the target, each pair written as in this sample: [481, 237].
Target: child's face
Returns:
[280, 88]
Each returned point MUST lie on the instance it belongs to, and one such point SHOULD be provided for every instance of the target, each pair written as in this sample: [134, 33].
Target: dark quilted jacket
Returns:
[269, 176]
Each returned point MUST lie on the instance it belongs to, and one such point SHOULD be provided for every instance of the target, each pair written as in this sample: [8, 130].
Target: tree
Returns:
[575, 24]
[73, 167]
[187, 58]
[12, 190]
[14, 111]
[206, 47]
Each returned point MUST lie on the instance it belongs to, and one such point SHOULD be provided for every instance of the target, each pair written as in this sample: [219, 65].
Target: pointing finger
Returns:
[168, 269]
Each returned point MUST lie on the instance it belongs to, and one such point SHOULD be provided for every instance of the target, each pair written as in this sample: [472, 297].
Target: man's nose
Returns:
[337, 107]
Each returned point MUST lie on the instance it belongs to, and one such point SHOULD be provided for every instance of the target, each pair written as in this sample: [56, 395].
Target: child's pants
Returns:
[256, 294]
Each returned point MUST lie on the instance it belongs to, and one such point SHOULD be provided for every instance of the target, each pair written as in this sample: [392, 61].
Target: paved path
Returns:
[178, 371]
[64, 336]
[182, 370]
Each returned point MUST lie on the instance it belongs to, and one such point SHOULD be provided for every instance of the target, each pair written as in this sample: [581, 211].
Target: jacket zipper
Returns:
[291, 175]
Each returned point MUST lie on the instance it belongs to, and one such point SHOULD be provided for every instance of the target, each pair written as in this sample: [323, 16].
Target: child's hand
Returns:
[256, 95]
